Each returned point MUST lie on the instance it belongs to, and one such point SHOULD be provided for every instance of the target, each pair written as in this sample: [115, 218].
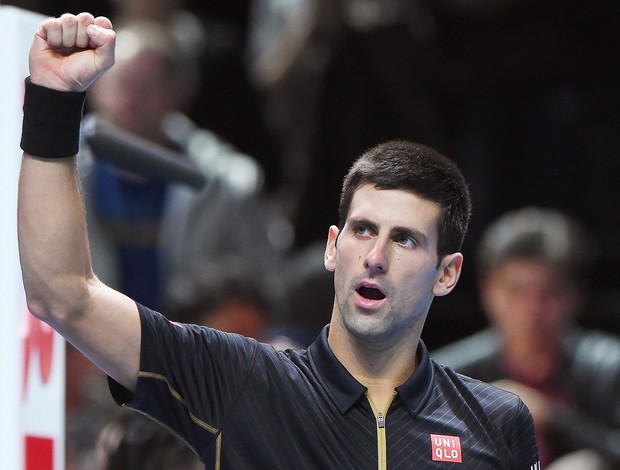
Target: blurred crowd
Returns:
[270, 100]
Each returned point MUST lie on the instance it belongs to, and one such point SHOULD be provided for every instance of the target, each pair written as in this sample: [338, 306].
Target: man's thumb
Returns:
[103, 41]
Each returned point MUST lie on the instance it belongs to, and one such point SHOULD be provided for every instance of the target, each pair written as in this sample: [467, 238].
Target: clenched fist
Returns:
[69, 53]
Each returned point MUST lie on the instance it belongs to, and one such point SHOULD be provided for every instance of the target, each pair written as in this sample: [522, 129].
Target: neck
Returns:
[380, 370]
[381, 384]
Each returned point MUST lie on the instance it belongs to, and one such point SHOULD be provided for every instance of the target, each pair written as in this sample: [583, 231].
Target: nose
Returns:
[376, 260]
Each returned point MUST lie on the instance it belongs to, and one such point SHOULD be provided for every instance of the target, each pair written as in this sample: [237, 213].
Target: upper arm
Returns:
[107, 332]
[523, 439]
[60, 286]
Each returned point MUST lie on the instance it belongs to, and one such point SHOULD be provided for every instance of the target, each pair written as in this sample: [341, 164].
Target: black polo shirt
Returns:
[241, 404]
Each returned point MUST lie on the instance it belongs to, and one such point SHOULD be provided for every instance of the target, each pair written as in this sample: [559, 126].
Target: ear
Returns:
[330, 249]
[448, 274]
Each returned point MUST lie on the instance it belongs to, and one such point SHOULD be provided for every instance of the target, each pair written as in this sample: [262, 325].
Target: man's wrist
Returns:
[51, 124]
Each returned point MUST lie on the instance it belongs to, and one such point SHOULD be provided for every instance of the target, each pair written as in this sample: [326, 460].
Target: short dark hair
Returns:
[537, 234]
[399, 164]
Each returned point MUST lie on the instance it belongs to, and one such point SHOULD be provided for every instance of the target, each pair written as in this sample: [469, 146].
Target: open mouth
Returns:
[370, 293]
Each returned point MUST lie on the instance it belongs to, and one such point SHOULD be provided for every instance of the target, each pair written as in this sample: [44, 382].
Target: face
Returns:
[136, 94]
[528, 300]
[386, 271]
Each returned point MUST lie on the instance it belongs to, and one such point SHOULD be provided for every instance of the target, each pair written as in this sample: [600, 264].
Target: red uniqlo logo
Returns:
[446, 448]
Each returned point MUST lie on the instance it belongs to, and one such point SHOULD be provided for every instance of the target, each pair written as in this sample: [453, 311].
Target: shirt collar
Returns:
[416, 390]
[345, 390]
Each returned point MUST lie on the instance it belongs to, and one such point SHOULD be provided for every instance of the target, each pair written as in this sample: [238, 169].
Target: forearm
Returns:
[53, 242]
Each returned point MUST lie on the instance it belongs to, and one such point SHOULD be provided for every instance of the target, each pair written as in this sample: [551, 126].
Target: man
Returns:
[533, 264]
[364, 395]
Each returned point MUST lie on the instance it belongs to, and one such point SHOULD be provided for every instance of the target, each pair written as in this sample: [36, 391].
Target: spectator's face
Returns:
[238, 316]
[529, 300]
[385, 266]
[137, 93]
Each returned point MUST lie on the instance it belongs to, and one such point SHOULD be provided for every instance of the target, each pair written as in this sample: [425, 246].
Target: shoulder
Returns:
[161, 333]
[481, 398]
[174, 342]
[488, 414]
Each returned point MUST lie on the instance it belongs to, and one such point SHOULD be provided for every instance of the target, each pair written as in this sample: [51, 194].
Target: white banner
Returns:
[32, 366]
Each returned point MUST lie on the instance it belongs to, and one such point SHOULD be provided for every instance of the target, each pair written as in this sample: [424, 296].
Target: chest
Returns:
[313, 434]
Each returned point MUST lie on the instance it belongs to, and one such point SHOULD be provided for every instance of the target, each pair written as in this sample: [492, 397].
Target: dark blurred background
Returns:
[523, 94]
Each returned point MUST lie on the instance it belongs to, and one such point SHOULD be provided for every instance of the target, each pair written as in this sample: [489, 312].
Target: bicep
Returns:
[108, 333]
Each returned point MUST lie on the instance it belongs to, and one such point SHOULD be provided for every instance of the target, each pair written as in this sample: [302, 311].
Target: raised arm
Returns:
[68, 54]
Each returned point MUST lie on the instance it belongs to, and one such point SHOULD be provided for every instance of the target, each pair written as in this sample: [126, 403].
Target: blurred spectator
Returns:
[533, 269]
[228, 297]
[158, 228]
[130, 441]
[84, 421]
[225, 297]
[214, 36]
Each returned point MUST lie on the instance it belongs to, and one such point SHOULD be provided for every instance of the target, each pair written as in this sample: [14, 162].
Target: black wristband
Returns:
[51, 125]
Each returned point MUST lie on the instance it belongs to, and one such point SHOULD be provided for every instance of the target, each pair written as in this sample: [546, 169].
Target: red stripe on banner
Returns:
[39, 453]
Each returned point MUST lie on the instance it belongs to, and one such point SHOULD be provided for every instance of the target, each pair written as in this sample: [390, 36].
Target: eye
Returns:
[362, 230]
[405, 239]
